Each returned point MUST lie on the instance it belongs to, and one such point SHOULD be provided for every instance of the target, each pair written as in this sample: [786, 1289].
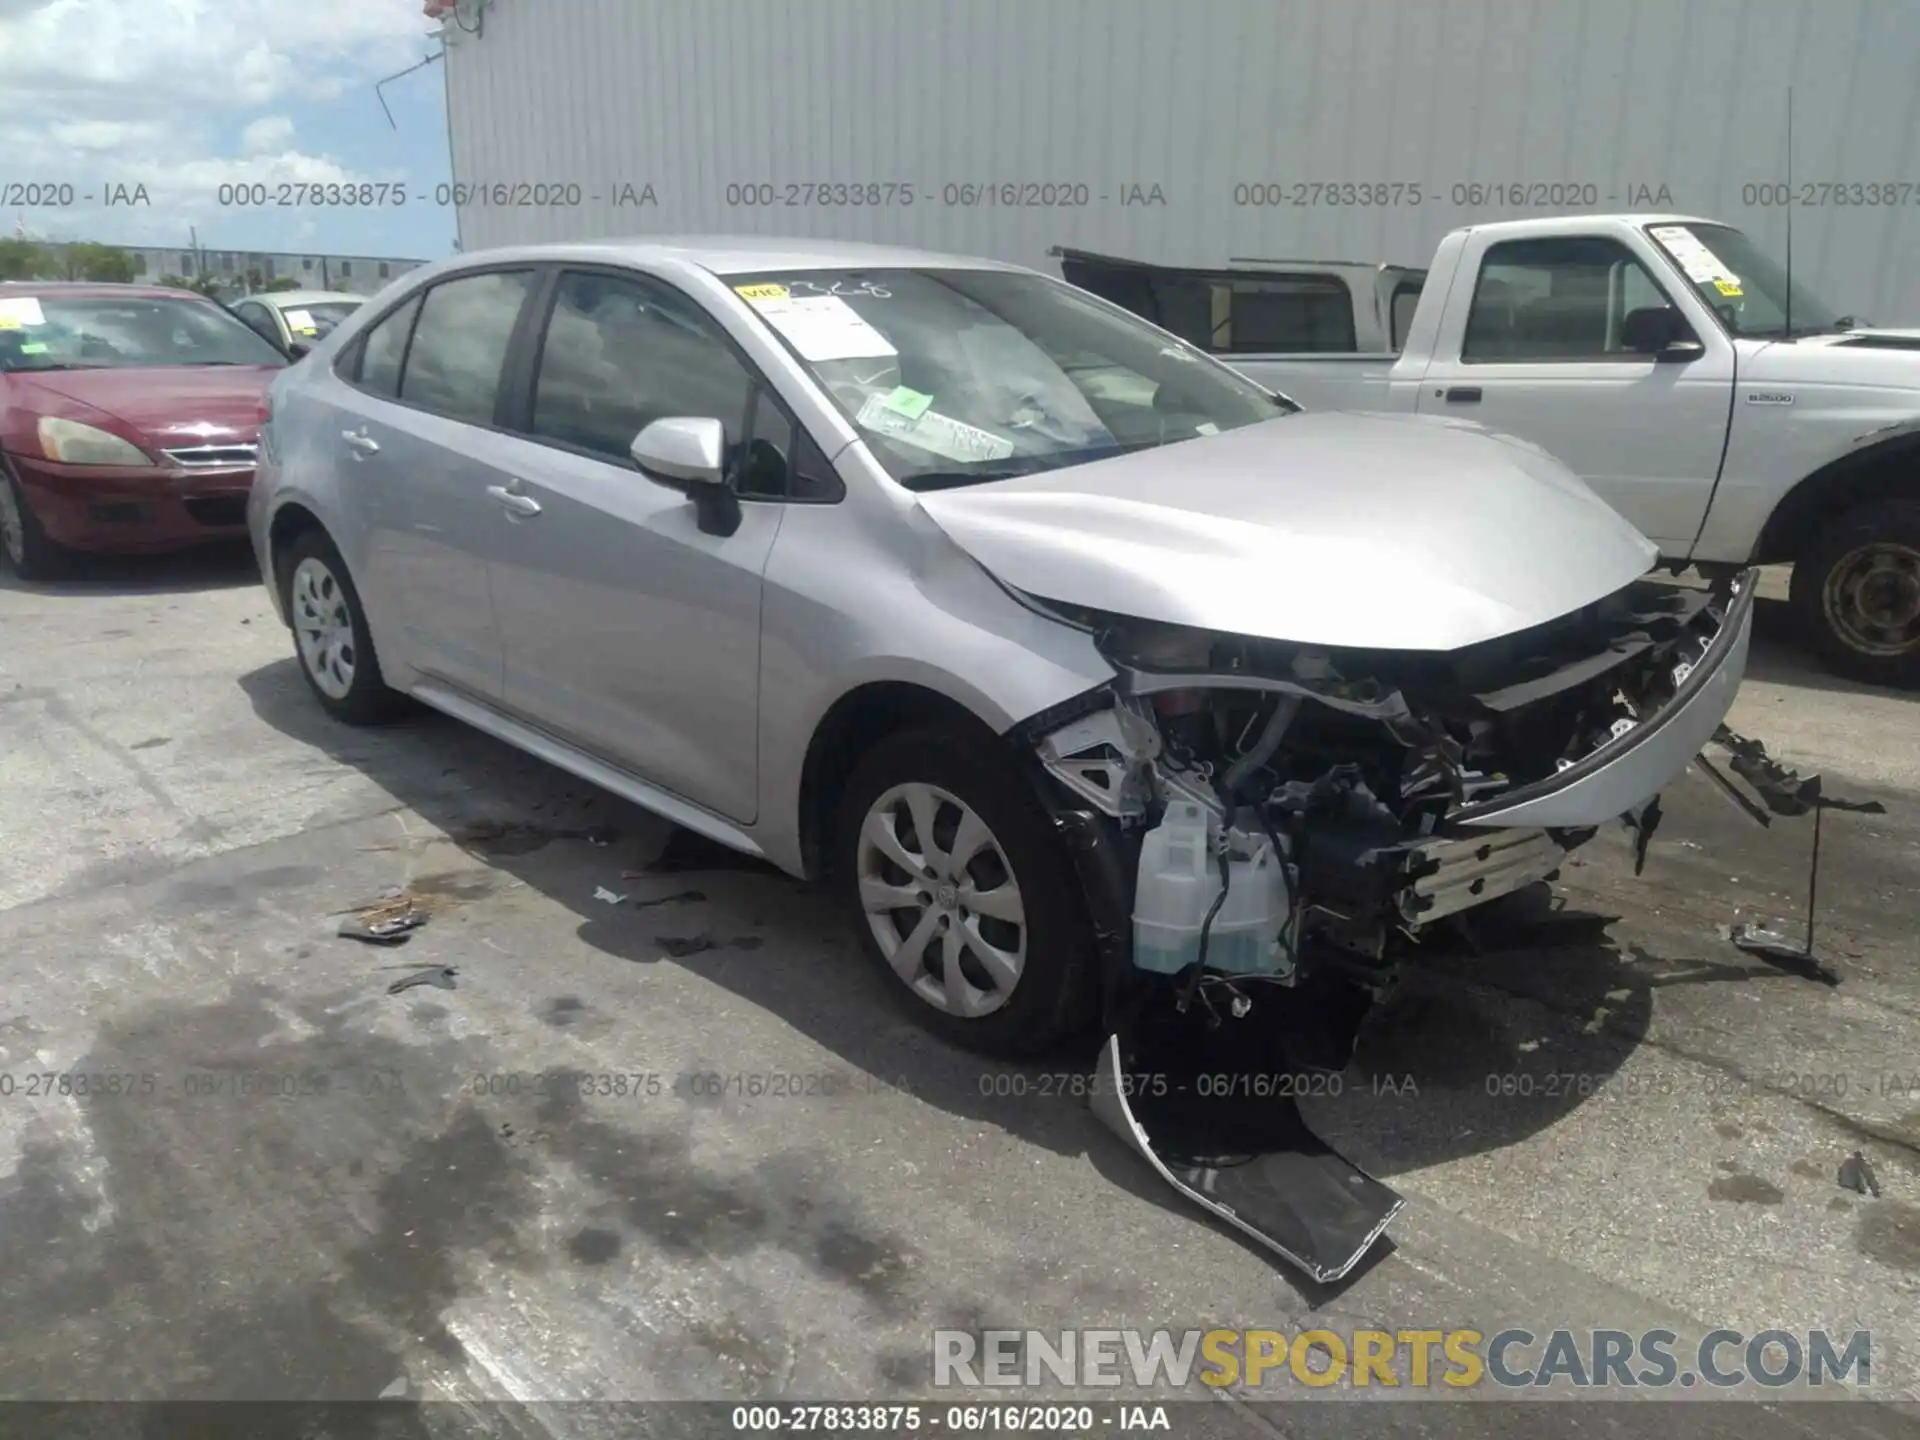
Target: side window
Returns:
[781, 461]
[762, 471]
[1284, 313]
[1556, 298]
[376, 367]
[259, 321]
[460, 344]
[621, 352]
[1406, 299]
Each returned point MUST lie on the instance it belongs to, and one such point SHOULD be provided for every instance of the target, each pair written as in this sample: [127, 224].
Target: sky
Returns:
[104, 98]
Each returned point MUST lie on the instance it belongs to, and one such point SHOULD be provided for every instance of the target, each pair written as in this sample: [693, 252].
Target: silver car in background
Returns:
[956, 585]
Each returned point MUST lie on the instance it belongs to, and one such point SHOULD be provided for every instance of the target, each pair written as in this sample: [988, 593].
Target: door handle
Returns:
[516, 502]
[1463, 394]
[361, 441]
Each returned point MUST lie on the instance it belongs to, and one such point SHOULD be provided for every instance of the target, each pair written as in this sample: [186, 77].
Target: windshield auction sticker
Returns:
[931, 431]
[1701, 265]
[19, 311]
[820, 327]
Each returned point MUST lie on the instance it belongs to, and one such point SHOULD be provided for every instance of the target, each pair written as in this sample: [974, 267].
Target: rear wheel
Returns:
[962, 894]
[1856, 592]
[331, 637]
[31, 554]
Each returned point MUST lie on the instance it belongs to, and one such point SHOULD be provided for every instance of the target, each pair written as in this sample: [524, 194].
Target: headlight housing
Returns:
[72, 443]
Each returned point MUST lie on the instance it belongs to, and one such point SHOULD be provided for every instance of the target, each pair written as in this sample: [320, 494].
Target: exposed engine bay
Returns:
[1268, 831]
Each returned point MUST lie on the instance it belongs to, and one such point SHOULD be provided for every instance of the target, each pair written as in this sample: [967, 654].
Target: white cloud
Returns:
[102, 93]
[268, 134]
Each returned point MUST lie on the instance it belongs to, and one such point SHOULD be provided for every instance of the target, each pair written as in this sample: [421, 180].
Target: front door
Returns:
[627, 629]
[1541, 358]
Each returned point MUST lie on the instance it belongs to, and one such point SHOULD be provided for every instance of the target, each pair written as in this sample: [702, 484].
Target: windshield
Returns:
[1742, 283]
[311, 322]
[958, 376]
[49, 332]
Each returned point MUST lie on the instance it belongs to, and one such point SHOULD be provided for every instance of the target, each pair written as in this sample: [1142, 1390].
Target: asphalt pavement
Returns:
[664, 1136]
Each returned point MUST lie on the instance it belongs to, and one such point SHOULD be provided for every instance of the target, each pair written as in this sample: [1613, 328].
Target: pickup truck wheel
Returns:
[1856, 592]
[330, 635]
[960, 891]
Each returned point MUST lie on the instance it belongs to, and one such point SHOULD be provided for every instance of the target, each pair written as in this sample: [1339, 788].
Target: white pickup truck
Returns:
[1657, 355]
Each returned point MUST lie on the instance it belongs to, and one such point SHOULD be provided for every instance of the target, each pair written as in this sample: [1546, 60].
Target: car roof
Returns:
[738, 254]
[93, 290]
[281, 299]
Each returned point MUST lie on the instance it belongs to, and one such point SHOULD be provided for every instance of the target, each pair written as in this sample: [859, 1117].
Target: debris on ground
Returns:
[606, 896]
[683, 897]
[441, 976]
[1856, 1174]
[512, 837]
[391, 921]
[1774, 942]
[681, 946]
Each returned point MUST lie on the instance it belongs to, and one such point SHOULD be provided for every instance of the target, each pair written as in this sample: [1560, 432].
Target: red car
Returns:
[129, 418]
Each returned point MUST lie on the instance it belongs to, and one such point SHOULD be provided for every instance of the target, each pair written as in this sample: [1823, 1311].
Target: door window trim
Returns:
[347, 367]
[522, 374]
[1601, 358]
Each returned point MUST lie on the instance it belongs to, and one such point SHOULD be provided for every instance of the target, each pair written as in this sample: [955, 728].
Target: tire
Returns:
[1856, 594]
[333, 646]
[22, 540]
[1011, 1011]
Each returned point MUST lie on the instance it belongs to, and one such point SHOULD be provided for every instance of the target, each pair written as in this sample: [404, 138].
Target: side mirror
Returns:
[689, 454]
[1660, 331]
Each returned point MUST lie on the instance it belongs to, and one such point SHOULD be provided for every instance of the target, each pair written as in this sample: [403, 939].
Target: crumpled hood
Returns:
[1338, 530]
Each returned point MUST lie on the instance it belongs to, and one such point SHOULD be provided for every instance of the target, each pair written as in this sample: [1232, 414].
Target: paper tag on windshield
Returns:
[822, 327]
[1206, 427]
[1701, 265]
[933, 432]
[761, 292]
[301, 320]
[20, 310]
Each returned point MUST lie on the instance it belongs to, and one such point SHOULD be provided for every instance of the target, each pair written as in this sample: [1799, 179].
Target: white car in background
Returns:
[296, 320]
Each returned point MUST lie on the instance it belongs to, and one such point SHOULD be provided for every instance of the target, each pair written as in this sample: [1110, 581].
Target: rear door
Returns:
[628, 630]
[423, 447]
[1535, 350]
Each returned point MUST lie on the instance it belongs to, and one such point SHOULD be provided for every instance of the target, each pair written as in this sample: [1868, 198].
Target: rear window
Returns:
[48, 332]
[1230, 312]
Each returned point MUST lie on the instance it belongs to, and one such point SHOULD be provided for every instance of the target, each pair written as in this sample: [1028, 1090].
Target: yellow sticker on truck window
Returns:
[761, 292]
[1729, 287]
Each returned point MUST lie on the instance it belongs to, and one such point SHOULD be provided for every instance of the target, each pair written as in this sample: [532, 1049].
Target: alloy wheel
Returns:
[324, 627]
[942, 900]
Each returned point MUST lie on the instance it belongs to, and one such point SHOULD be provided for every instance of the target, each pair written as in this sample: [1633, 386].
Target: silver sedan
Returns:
[1080, 664]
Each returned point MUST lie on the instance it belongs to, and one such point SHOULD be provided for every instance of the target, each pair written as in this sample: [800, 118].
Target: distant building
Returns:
[355, 274]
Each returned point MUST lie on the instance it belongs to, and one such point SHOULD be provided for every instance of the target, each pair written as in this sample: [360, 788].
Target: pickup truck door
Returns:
[1531, 343]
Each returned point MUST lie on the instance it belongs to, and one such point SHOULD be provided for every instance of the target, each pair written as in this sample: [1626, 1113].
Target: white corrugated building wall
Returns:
[1151, 121]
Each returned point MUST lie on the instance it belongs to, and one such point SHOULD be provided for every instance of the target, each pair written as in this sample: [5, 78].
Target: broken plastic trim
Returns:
[1304, 1202]
[1697, 674]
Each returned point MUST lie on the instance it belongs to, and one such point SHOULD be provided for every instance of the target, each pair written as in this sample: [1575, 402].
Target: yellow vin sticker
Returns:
[1728, 287]
[761, 292]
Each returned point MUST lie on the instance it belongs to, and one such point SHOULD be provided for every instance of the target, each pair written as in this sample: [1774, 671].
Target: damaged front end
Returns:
[1263, 831]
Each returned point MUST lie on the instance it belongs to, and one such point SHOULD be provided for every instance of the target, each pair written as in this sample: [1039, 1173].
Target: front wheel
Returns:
[31, 554]
[1856, 593]
[961, 892]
